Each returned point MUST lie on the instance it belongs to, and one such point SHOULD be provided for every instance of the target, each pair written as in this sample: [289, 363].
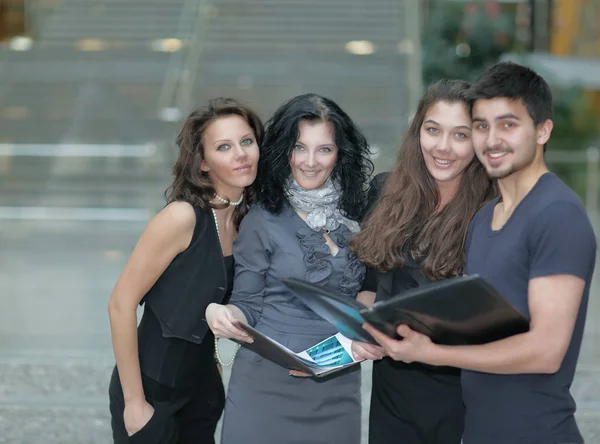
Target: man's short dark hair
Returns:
[513, 81]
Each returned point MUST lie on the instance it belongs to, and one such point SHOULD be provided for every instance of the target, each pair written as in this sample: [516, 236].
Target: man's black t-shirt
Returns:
[548, 234]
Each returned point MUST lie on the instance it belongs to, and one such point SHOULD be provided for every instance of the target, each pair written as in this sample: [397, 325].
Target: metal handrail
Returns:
[35, 17]
[176, 63]
[197, 43]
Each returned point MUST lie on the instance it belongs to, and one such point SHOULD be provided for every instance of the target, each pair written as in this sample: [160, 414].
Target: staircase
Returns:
[126, 24]
[266, 51]
[80, 128]
[315, 25]
[92, 76]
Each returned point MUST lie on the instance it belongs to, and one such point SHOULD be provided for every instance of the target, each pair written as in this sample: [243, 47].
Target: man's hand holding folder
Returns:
[412, 348]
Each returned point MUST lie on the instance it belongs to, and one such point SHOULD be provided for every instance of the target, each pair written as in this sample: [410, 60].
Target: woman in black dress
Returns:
[166, 387]
[414, 234]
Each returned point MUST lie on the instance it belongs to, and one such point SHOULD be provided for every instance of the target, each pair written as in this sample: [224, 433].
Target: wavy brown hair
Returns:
[193, 185]
[405, 222]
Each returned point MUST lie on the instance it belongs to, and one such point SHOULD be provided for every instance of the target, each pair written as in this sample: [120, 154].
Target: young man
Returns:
[535, 245]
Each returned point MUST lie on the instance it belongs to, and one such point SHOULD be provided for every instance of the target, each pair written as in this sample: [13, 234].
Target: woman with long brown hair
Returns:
[414, 234]
[166, 387]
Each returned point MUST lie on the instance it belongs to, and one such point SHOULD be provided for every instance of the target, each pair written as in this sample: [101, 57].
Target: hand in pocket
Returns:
[136, 415]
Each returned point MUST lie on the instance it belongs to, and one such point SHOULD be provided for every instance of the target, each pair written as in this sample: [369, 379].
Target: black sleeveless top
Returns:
[174, 361]
[194, 279]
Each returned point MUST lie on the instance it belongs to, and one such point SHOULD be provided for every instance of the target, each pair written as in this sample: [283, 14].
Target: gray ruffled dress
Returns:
[264, 403]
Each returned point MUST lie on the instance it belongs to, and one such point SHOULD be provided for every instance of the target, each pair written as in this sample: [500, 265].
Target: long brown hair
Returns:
[405, 223]
[193, 185]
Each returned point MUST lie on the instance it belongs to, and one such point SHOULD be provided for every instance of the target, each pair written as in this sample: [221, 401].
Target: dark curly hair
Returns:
[352, 168]
[190, 183]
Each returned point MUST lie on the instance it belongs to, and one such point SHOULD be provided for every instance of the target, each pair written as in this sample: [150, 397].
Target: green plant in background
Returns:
[460, 40]
[575, 129]
[575, 120]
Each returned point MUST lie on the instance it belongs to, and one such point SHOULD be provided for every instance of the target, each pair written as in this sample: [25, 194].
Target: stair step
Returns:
[117, 20]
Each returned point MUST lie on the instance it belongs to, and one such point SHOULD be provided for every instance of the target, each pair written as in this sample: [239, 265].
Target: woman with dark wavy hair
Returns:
[166, 387]
[415, 234]
[313, 174]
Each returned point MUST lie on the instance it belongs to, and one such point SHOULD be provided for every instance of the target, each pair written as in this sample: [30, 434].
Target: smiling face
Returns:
[314, 154]
[445, 139]
[505, 137]
[230, 155]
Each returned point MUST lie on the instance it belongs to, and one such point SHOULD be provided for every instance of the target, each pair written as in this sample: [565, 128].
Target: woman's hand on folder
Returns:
[221, 321]
[362, 351]
[414, 347]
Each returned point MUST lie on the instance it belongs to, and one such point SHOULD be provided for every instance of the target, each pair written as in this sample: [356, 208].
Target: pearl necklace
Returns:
[225, 201]
[217, 354]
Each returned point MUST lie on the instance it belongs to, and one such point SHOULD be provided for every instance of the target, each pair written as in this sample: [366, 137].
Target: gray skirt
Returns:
[265, 405]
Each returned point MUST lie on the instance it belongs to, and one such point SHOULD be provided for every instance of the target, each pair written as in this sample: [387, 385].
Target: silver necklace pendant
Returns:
[225, 201]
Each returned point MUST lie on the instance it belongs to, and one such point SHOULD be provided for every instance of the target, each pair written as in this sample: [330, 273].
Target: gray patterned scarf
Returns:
[320, 205]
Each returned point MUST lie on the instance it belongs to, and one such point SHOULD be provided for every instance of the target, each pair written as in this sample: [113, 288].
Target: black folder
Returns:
[457, 311]
[273, 351]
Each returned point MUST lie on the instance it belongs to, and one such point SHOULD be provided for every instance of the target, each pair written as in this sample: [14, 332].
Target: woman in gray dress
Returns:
[312, 174]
